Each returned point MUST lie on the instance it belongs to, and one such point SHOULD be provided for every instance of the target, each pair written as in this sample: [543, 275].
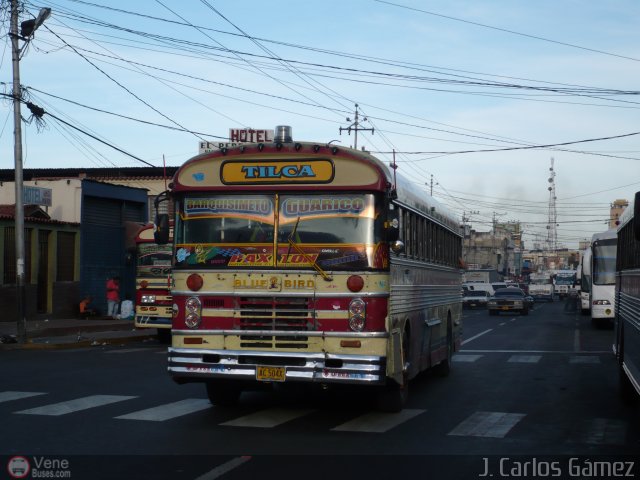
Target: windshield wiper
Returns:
[310, 260]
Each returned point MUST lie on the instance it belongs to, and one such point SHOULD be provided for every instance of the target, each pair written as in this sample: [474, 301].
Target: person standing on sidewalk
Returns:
[113, 296]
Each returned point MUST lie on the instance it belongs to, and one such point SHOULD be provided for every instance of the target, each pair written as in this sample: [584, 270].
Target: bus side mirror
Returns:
[392, 228]
[636, 216]
[161, 231]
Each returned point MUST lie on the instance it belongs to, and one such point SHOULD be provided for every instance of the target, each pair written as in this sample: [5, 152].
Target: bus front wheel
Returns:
[223, 393]
[393, 396]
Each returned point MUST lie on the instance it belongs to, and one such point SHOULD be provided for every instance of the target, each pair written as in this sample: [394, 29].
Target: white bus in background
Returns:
[565, 282]
[603, 277]
[585, 281]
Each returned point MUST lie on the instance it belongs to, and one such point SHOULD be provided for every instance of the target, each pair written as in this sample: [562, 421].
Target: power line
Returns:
[535, 37]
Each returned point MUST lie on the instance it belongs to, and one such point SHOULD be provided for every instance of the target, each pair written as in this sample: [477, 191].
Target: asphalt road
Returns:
[540, 387]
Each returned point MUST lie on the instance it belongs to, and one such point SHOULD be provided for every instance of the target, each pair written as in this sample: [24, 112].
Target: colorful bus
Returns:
[627, 322]
[153, 277]
[309, 262]
[603, 277]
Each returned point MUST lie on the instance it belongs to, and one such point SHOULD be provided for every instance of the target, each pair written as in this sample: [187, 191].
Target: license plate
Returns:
[270, 374]
[505, 308]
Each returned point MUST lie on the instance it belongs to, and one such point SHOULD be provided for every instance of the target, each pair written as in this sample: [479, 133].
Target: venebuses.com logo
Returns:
[19, 466]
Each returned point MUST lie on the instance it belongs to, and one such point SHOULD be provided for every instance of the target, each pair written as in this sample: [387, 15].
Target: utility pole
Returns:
[27, 30]
[355, 126]
[17, 156]
[465, 219]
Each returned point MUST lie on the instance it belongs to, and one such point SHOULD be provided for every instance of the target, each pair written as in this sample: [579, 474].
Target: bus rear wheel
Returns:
[223, 393]
[443, 369]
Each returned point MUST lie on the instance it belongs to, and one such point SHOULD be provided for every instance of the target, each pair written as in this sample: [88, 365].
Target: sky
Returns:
[475, 97]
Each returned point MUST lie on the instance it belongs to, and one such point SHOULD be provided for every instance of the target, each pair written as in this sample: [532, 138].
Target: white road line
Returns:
[84, 403]
[169, 411]
[594, 352]
[476, 336]
[269, 418]
[524, 358]
[224, 468]
[502, 324]
[488, 424]
[10, 395]
[465, 358]
[378, 422]
[584, 359]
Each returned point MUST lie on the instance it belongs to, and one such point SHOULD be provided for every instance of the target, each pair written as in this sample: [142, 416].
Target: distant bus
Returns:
[585, 281]
[603, 277]
[627, 322]
[153, 276]
[565, 282]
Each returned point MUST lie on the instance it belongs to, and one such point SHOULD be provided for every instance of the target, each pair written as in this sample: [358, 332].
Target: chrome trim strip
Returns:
[285, 333]
[256, 353]
[260, 293]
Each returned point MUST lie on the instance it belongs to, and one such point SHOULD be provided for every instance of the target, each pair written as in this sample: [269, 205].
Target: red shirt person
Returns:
[113, 296]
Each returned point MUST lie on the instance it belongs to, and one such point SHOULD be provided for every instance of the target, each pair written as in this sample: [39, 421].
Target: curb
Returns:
[31, 345]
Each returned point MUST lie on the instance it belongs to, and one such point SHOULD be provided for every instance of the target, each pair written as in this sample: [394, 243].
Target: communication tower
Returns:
[552, 233]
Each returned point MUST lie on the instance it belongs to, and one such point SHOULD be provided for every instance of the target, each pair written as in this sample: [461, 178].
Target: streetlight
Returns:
[27, 29]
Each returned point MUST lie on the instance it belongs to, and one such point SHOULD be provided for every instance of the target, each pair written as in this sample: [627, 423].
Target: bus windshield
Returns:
[604, 262]
[565, 279]
[333, 230]
[153, 260]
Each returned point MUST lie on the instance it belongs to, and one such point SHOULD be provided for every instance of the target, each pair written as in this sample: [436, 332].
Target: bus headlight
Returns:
[148, 299]
[193, 312]
[193, 305]
[357, 313]
[192, 320]
[601, 302]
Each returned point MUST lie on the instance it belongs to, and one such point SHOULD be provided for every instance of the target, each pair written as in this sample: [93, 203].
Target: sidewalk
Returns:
[73, 333]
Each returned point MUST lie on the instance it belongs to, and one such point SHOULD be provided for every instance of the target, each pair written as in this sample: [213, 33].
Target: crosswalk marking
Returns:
[269, 418]
[11, 395]
[466, 358]
[84, 403]
[524, 358]
[584, 359]
[605, 431]
[378, 422]
[169, 411]
[487, 424]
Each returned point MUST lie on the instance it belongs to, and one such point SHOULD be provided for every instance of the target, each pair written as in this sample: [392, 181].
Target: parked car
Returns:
[510, 299]
[475, 298]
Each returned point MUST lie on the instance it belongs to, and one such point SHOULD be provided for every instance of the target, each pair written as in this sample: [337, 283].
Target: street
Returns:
[542, 385]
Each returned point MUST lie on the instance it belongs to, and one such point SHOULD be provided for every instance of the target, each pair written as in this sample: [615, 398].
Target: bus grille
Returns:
[276, 313]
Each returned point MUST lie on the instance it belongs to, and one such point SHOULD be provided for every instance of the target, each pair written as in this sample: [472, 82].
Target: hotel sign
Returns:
[238, 136]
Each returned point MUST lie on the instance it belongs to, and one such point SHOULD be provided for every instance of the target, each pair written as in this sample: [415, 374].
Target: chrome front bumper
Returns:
[193, 365]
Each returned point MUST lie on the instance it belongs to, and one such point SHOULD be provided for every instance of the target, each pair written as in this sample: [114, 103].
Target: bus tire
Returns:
[164, 335]
[443, 369]
[393, 397]
[223, 393]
